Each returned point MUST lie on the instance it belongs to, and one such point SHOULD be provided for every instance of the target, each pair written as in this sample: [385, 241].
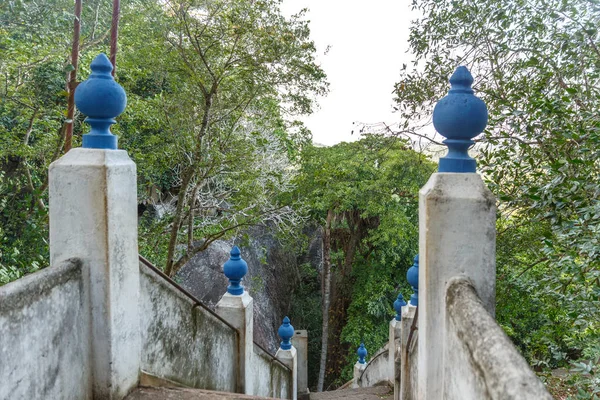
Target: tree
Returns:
[363, 194]
[209, 119]
[536, 65]
[35, 39]
[234, 72]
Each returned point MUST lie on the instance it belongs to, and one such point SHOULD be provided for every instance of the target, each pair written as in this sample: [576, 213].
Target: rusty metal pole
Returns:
[114, 34]
[73, 76]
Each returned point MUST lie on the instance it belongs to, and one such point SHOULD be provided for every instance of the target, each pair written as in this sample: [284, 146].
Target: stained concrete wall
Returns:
[407, 357]
[45, 339]
[182, 341]
[271, 377]
[44, 331]
[377, 370]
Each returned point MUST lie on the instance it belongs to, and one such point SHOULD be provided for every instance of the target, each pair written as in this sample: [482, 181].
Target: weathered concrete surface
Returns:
[377, 369]
[300, 342]
[357, 372]
[406, 382]
[290, 359]
[394, 346]
[372, 393]
[183, 342]
[44, 347]
[457, 237]
[485, 363]
[238, 311]
[270, 377]
[186, 394]
[93, 217]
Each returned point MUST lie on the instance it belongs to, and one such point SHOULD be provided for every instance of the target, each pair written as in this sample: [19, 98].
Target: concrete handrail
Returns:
[205, 307]
[380, 353]
[505, 372]
[272, 357]
[185, 292]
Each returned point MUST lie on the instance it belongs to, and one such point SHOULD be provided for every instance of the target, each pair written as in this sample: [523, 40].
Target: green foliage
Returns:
[587, 380]
[372, 187]
[213, 89]
[536, 65]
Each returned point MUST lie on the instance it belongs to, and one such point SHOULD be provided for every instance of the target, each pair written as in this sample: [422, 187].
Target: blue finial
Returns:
[412, 276]
[362, 353]
[460, 116]
[102, 100]
[398, 304]
[235, 269]
[285, 332]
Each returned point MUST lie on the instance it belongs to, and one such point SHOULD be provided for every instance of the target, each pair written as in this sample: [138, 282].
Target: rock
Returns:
[271, 279]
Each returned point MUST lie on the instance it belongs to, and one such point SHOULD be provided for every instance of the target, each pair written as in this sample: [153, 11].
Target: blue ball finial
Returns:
[398, 304]
[285, 332]
[460, 116]
[235, 269]
[101, 99]
[362, 353]
[412, 276]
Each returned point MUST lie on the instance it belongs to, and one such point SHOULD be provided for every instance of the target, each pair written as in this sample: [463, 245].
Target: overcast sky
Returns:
[367, 43]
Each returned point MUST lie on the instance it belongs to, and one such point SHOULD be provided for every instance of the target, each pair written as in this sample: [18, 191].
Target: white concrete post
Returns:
[457, 231]
[290, 359]
[360, 366]
[457, 238]
[287, 353]
[300, 342]
[394, 338]
[393, 348]
[403, 385]
[93, 216]
[237, 307]
[358, 370]
[238, 311]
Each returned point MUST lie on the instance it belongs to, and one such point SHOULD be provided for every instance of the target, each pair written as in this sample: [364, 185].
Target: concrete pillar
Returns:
[394, 351]
[457, 238]
[93, 216]
[290, 359]
[358, 370]
[394, 337]
[404, 385]
[238, 311]
[457, 230]
[287, 353]
[360, 366]
[237, 307]
[300, 342]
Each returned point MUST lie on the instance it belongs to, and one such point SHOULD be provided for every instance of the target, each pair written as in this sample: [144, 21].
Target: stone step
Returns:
[163, 393]
[371, 393]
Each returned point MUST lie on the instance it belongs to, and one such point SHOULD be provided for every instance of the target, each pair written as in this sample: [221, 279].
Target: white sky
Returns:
[368, 42]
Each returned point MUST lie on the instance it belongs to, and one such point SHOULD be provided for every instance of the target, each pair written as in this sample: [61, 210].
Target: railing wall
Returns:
[484, 362]
[450, 346]
[271, 377]
[90, 329]
[44, 335]
[181, 341]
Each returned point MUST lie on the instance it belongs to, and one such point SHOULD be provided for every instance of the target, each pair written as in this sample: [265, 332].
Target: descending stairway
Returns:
[162, 393]
[369, 393]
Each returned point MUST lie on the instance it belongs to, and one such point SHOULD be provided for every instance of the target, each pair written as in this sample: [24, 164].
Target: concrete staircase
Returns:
[163, 393]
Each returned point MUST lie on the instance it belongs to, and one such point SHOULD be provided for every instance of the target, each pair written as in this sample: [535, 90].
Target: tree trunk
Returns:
[326, 287]
[72, 79]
